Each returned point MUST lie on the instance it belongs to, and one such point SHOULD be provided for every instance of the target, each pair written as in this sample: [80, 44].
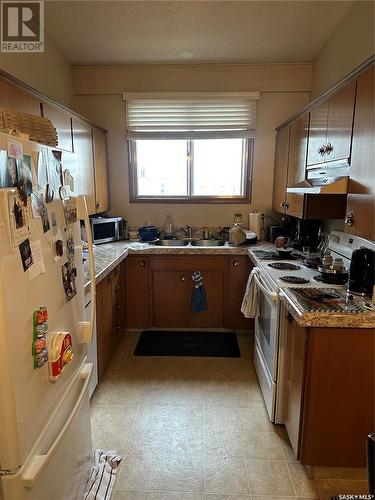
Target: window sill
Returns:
[192, 201]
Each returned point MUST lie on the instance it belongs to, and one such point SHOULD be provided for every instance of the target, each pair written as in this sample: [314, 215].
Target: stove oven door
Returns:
[265, 348]
[266, 324]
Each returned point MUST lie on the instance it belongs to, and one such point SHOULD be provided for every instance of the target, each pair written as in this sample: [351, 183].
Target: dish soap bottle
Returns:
[168, 228]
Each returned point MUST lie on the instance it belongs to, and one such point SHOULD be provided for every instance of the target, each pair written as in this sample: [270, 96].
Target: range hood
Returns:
[328, 178]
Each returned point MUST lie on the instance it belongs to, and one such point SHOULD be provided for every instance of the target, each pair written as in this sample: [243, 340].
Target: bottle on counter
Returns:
[168, 228]
[238, 219]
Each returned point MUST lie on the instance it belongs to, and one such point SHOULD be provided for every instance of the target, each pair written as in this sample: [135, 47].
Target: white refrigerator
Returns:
[45, 435]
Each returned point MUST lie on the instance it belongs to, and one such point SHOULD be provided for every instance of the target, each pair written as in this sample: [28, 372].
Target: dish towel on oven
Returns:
[250, 302]
[198, 301]
[103, 474]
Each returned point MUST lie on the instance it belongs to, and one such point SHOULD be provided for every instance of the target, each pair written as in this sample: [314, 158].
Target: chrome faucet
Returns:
[187, 230]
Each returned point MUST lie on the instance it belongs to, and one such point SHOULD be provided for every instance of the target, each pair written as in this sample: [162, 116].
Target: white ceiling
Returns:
[96, 32]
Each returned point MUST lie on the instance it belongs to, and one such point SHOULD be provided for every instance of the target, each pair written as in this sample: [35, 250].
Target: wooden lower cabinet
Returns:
[169, 298]
[172, 288]
[329, 391]
[110, 315]
[295, 342]
[137, 291]
[238, 270]
[159, 291]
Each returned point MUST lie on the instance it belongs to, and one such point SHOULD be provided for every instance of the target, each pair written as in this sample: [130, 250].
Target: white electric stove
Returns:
[272, 274]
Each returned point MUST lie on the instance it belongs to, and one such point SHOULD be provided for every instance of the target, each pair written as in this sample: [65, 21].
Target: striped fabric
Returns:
[102, 479]
[250, 303]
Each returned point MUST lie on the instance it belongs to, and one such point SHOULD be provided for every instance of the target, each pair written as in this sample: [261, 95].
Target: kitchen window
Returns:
[191, 150]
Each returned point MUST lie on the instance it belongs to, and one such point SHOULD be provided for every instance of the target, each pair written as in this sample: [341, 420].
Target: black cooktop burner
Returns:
[268, 255]
[334, 281]
[297, 280]
[284, 266]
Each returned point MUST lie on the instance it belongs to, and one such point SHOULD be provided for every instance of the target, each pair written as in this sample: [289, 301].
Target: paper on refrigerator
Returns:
[38, 262]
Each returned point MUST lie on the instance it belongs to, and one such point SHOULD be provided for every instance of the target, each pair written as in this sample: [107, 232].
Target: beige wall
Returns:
[49, 71]
[349, 45]
[283, 92]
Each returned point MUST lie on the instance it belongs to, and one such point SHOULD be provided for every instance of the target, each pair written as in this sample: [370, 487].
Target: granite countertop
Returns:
[109, 255]
[326, 319]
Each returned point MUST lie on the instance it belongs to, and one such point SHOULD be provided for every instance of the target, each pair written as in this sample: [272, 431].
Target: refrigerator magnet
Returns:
[26, 255]
[19, 226]
[70, 210]
[15, 149]
[36, 204]
[61, 353]
[68, 180]
[70, 247]
[8, 171]
[41, 358]
[44, 216]
[54, 223]
[68, 278]
[58, 245]
[24, 174]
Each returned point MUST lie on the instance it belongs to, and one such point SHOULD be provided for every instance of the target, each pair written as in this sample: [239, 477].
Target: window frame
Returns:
[248, 154]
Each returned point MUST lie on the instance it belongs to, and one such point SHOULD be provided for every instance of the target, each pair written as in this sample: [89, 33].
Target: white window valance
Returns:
[190, 115]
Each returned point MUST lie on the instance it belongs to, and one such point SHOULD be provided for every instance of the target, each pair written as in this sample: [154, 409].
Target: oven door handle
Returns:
[272, 295]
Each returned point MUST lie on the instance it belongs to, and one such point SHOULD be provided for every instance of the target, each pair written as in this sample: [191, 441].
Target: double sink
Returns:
[194, 243]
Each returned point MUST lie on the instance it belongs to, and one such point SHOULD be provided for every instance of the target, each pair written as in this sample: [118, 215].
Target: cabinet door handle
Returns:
[282, 204]
[117, 288]
[322, 150]
[98, 205]
[349, 219]
[329, 148]
[183, 278]
[235, 263]
[286, 205]
[142, 263]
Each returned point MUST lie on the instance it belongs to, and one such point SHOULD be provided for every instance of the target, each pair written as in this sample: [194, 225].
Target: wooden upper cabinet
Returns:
[100, 166]
[340, 123]
[361, 198]
[62, 122]
[281, 169]
[331, 125]
[299, 129]
[362, 179]
[24, 102]
[5, 95]
[317, 133]
[84, 175]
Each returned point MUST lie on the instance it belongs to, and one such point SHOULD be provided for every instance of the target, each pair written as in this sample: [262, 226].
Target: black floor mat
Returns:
[179, 343]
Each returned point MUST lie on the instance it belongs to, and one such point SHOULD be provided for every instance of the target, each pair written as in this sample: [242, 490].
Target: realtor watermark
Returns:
[22, 26]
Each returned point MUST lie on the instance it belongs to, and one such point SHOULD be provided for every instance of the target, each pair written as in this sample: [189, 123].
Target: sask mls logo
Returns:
[22, 26]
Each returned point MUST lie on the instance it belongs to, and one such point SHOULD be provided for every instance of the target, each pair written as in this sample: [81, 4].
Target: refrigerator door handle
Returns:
[39, 462]
[86, 330]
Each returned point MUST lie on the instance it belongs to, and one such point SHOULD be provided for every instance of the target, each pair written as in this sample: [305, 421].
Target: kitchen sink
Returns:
[207, 243]
[172, 243]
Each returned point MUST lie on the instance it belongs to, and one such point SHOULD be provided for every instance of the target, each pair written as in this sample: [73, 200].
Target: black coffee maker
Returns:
[361, 272]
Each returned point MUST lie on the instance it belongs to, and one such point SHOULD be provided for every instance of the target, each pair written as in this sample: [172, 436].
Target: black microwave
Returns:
[106, 229]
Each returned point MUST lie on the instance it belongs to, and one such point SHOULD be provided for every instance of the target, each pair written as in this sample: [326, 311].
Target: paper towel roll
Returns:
[255, 223]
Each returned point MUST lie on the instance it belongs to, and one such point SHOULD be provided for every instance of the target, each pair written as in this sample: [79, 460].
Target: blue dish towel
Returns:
[198, 301]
